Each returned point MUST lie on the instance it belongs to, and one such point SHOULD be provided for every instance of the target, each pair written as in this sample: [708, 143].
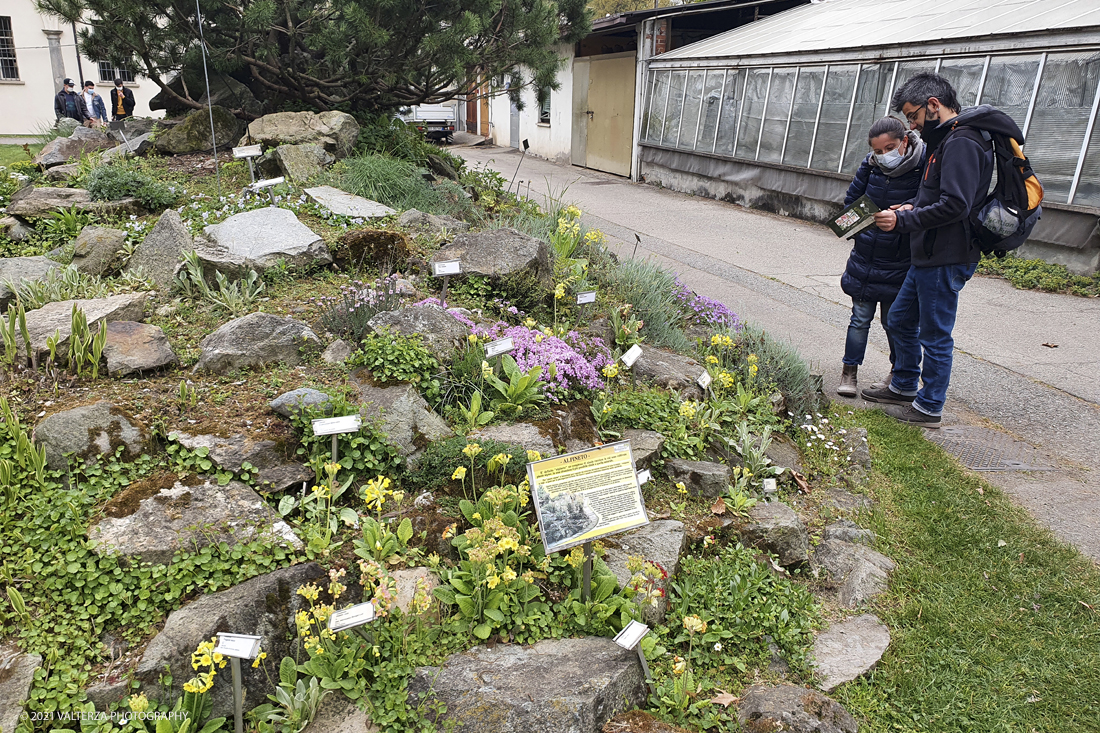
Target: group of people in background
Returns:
[88, 107]
[929, 181]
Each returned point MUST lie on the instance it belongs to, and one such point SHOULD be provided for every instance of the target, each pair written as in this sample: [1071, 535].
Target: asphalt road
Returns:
[1026, 363]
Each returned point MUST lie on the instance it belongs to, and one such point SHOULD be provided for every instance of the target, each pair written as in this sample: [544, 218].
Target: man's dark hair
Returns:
[922, 87]
[891, 126]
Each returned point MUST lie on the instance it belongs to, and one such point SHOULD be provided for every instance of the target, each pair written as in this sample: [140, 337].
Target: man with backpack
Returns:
[952, 204]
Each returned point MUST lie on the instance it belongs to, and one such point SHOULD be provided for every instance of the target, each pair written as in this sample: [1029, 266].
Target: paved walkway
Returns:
[784, 274]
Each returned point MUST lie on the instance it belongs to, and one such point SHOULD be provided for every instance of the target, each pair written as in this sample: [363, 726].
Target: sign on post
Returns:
[447, 267]
[349, 618]
[704, 380]
[247, 151]
[631, 634]
[631, 356]
[240, 646]
[334, 425]
[500, 346]
[588, 296]
[585, 495]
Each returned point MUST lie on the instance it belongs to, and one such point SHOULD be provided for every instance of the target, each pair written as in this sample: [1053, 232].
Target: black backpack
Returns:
[1009, 213]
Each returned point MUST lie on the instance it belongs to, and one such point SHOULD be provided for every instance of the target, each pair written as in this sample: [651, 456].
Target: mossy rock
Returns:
[372, 246]
[193, 134]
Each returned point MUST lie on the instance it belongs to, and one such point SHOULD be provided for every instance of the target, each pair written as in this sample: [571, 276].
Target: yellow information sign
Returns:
[584, 495]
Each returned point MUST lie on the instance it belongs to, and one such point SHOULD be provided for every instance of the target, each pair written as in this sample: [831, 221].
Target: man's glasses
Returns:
[912, 116]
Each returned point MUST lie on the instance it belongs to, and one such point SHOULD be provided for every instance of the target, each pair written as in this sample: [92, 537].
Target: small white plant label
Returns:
[631, 355]
[349, 618]
[631, 634]
[704, 380]
[447, 267]
[500, 346]
[241, 646]
[334, 425]
[643, 476]
[589, 296]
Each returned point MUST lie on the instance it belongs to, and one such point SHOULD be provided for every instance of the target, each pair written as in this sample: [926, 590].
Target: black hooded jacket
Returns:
[955, 182]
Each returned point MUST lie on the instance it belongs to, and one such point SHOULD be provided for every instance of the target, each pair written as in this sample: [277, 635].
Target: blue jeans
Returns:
[863, 312]
[922, 318]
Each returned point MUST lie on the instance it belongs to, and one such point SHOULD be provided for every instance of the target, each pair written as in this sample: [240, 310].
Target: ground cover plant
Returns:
[1035, 274]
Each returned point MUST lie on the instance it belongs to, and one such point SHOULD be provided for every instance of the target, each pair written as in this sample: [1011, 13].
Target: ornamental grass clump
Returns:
[652, 290]
[346, 315]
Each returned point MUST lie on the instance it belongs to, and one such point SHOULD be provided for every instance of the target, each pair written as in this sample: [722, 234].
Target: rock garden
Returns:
[169, 337]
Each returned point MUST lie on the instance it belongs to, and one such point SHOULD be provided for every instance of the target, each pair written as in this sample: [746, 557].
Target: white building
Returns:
[36, 53]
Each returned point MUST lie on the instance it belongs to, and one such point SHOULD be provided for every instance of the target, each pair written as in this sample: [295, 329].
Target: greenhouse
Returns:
[775, 114]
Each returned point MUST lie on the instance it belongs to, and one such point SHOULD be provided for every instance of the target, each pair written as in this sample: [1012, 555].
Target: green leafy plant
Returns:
[69, 283]
[85, 347]
[395, 357]
[626, 327]
[320, 519]
[235, 298]
[473, 416]
[380, 543]
[367, 451]
[114, 181]
[15, 324]
[522, 390]
[753, 451]
[296, 702]
[63, 225]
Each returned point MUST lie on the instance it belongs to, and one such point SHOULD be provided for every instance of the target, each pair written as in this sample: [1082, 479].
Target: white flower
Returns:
[717, 646]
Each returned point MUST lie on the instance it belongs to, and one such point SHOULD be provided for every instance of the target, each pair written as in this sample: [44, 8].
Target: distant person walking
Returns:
[122, 101]
[69, 104]
[889, 175]
[94, 103]
[944, 250]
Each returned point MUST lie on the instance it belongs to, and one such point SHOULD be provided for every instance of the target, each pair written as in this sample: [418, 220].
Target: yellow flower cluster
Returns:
[335, 587]
[204, 656]
[688, 409]
[721, 340]
[611, 370]
[472, 338]
[575, 558]
[725, 379]
[572, 211]
[695, 625]
[593, 236]
[376, 491]
[259, 658]
[422, 598]
[712, 359]
[499, 461]
[533, 455]
[379, 585]
[753, 367]
[139, 703]
[559, 291]
[681, 488]
[459, 474]
[472, 449]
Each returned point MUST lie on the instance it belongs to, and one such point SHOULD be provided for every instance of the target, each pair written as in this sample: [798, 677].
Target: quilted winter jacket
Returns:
[879, 260]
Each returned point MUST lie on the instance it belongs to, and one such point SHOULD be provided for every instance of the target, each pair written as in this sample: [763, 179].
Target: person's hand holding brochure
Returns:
[855, 218]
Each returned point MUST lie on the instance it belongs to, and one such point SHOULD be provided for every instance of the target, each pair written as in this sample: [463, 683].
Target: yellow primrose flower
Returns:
[529, 322]
[508, 575]
[681, 488]
[259, 658]
[472, 449]
[450, 531]
[472, 338]
[459, 474]
[694, 624]
[331, 469]
[679, 664]
[492, 581]
[687, 410]
[559, 291]
[611, 371]
[476, 515]
[139, 703]
[715, 339]
[534, 455]
[538, 338]
[712, 359]
[309, 591]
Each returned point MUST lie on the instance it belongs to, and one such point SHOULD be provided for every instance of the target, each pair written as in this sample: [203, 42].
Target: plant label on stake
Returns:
[644, 476]
[628, 638]
[628, 360]
[334, 426]
[349, 618]
[500, 346]
[237, 647]
[588, 296]
[704, 381]
[445, 269]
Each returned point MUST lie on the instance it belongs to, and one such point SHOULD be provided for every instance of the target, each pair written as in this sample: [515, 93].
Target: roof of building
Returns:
[842, 24]
[633, 17]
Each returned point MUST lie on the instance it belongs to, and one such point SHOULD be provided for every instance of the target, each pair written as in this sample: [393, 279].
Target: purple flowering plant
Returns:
[703, 311]
[347, 314]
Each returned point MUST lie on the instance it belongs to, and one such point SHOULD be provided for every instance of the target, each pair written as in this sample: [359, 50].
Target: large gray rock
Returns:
[559, 685]
[299, 163]
[792, 709]
[62, 150]
[139, 145]
[702, 478]
[159, 254]
[662, 542]
[15, 269]
[858, 573]
[134, 127]
[152, 525]
[16, 676]
[60, 173]
[335, 131]
[89, 432]
[31, 203]
[291, 402]
[499, 253]
[346, 204]
[254, 340]
[846, 530]
[669, 370]
[406, 580]
[338, 714]
[523, 434]
[441, 331]
[848, 649]
[232, 94]
[784, 453]
[432, 224]
[275, 471]
[136, 347]
[777, 529]
[96, 250]
[259, 238]
[193, 134]
[645, 446]
[66, 126]
[403, 414]
[337, 352]
[57, 317]
[845, 501]
[264, 605]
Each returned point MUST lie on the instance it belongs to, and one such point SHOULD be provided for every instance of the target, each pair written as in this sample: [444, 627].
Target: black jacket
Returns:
[61, 108]
[127, 101]
[955, 183]
[879, 260]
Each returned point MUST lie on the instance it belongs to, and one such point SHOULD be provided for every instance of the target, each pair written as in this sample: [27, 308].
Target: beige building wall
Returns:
[46, 53]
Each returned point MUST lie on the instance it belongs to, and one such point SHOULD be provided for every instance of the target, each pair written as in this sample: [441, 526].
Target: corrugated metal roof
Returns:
[843, 24]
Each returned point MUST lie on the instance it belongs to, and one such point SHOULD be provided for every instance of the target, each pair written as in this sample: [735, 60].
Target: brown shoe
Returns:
[884, 384]
[847, 386]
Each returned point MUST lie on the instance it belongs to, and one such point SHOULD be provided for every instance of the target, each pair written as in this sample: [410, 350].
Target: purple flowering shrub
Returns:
[346, 315]
[703, 311]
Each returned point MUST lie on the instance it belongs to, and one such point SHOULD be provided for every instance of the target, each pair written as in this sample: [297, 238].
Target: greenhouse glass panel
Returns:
[889, 70]
[1009, 84]
[807, 94]
[748, 133]
[909, 69]
[712, 103]
[674, 110]
[731, 109]
[1088, 187]
[874, 80]
[1062, 110]
[691, 109]
[834, 117]
[775, 116]
[965, 75]
[657, 98]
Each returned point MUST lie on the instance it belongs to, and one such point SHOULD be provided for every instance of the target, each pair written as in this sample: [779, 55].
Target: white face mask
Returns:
[890, 160]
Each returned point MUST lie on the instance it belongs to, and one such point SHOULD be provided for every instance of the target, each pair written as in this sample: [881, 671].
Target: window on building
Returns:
[107, 72]
[9, 69]
[544, 106]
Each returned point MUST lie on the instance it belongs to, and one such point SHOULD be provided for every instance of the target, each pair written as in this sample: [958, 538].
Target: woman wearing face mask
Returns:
[889, 175]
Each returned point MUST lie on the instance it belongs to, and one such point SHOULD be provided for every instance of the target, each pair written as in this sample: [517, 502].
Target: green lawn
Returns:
[995, 624]
[11, 153]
